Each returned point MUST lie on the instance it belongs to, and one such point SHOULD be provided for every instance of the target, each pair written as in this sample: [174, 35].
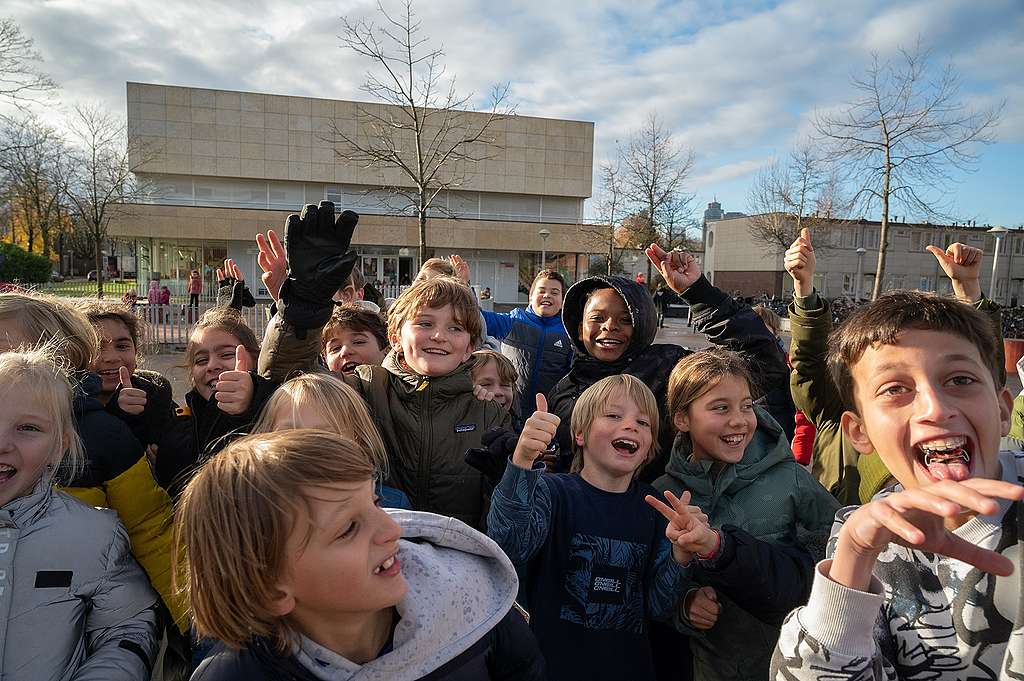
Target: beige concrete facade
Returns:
[221, 133]
[224, 165]
[735, 261]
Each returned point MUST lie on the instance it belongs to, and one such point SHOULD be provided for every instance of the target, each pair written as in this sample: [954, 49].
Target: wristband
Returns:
[714, 551]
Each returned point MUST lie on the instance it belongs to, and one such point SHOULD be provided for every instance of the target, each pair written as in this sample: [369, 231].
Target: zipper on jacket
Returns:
[423, 469]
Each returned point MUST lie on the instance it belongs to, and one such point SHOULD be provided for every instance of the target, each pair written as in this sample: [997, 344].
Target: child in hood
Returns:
[292, 564]
[735, 461]
[612, 324]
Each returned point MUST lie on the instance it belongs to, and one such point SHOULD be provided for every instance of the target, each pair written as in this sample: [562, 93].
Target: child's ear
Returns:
[1005, 412]
[681, 420]
[284, 601]
[853, 429]
[579, 439]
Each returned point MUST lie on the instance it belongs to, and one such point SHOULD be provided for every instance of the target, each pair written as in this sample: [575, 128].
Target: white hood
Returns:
[461, 585]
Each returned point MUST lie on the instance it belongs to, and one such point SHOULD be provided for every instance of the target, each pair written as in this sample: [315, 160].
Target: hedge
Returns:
[18, 264]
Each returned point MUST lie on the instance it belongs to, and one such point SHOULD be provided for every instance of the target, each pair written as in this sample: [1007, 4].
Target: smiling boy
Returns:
[919, 584]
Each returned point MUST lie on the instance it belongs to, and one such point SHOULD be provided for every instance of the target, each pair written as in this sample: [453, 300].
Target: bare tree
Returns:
[21, 80]
[805, 191]
[426, 137]
[676, 219]
[35, 164]
[654, 172]
[103, 185]
[902, 138]
[610, 207]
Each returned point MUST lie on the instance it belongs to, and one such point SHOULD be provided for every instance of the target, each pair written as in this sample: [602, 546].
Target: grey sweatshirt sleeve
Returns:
[121, 627]
[832, 637]
[520, 512]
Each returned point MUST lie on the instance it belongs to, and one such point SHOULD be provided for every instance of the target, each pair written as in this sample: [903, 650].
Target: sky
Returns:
[737, 82]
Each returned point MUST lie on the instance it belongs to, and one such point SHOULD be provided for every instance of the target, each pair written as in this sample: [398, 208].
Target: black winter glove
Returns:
[234, 293]
[490, 459]
[319, 262]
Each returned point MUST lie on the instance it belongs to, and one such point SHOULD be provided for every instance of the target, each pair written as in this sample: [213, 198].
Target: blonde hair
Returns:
[609, 389]
[770, 318]
[234, 520]
[439, 266]
[506, 370]
[38, 378]
[434, 294]
[695, 374]
[344, 408]
[43, 318]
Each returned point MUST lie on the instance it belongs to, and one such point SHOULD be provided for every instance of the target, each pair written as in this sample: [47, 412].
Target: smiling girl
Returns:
[735, 461]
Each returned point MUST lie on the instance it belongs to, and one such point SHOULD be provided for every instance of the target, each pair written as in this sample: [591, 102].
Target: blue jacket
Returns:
[538, 347]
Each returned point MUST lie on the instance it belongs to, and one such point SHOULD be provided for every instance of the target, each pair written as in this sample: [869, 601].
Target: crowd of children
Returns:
[374, 490]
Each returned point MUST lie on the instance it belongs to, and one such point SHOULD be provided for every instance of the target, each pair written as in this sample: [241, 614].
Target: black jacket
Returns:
[715, 314]
[186, 436]
[508, 652]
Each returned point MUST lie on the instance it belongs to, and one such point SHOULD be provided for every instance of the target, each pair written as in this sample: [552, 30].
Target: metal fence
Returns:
[169, 326]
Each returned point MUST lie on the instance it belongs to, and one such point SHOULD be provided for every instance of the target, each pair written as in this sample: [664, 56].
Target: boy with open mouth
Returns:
[924, 580]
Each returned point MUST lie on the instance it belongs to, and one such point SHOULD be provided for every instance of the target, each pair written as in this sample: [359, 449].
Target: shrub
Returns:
[17, 263]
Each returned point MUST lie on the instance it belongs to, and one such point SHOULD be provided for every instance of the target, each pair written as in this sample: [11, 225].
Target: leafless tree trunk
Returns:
[805, 191]
[601, 233]
[655, 170]
[902, 138]
[426, 135]
[103, 185]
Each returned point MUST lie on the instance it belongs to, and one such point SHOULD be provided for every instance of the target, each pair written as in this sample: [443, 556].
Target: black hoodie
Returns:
[715, 314]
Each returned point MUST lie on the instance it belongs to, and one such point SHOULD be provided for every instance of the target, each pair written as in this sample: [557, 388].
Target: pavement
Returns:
[171, 363]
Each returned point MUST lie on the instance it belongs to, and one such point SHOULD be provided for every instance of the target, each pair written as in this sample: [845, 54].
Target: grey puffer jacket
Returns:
[74, 604]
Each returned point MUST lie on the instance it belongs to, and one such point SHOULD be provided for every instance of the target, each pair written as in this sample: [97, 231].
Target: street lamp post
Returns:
[860, 271]
[544, 234]
[998, 233]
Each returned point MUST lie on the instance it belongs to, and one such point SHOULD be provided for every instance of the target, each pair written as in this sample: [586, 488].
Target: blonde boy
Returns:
[296, 569]
[599, 564]
[918, 585]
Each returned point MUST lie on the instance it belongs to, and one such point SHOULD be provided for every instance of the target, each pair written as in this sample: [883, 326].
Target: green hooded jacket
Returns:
[853, 479]
[772, 497]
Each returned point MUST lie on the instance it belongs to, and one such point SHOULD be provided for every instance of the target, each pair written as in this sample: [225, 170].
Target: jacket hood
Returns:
[458, 381]
[638, 302]
[86, 387]
[768, 448]
[461, 585]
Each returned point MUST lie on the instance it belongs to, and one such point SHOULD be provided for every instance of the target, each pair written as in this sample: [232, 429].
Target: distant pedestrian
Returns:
[195, 289]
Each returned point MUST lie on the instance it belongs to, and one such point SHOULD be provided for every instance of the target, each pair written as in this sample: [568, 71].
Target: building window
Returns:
[1018, 245]
[711, 239]
[925, 284]
[848, 283]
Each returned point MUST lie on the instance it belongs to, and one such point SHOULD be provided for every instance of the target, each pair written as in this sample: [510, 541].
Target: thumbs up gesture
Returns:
[962, 264]
[130, 400]
[235, 388]
[801, 263]
[538, 432]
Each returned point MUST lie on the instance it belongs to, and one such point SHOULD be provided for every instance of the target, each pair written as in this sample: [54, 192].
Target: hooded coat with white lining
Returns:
[457, 621]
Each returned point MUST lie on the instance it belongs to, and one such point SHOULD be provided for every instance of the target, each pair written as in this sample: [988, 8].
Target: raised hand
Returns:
[319, 262]
[538, 432]
[801, 263]
[916, 518]
[687, 528]
[483, 394]
[461, 268]
[678, 268]
[235, 388]
[231, 290]
[702, 607]
[962, 264]
[130, 400]
[273, 261]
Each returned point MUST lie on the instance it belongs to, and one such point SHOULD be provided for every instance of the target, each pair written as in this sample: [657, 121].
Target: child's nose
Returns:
[389, 530]
[932, 405]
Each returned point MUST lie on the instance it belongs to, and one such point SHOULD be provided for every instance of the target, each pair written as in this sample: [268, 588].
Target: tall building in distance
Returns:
[230, 164]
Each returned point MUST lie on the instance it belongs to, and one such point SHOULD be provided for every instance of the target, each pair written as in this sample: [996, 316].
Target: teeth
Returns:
[962, 457]
[733, 439]
[4, 467]
[386, 565]
[944, 444]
